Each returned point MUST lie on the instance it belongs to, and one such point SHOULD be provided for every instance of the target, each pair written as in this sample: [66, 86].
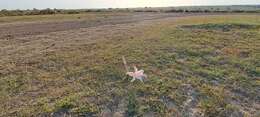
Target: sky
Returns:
[80, 4]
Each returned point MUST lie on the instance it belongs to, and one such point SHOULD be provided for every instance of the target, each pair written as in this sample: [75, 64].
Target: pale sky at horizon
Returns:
[80, 4]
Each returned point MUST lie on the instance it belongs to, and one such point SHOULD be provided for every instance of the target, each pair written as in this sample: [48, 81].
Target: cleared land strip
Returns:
[11, 31]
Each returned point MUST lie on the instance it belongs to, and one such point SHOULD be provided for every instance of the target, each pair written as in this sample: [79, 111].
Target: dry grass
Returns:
[59, 17]
[80, 72]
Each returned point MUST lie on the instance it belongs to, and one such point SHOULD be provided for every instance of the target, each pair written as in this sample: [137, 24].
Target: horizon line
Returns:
[202, 5]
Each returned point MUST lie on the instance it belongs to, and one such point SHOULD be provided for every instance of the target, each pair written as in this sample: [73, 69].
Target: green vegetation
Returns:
[48, 11]
[187, 9]
[193, 67]
[132, 107]
[222, 27]
[221, 9]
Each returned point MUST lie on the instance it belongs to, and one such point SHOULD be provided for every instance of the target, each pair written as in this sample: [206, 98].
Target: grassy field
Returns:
[224, 8]
[196, 66]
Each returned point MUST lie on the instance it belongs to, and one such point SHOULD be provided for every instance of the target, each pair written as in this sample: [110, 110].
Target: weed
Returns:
[132, 106]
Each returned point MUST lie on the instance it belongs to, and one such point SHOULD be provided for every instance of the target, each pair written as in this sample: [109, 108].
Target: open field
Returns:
[31, 25]
[197, 65]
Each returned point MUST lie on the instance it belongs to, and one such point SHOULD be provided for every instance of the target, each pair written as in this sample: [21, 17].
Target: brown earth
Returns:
[11, 30]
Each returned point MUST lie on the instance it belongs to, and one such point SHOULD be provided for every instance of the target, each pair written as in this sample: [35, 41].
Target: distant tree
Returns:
[58, 11]
[186, 11]
[2, 12]
[17, 12]
[110, 8]
[34, 12]
[72, 12]
[228, 9]
[212, 9]
[180, 10]
[206, 11]
[47, 11]
[127, 9]
[5, 12]
[199, 9]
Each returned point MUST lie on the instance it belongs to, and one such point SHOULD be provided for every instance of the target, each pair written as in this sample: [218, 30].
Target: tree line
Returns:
[49, 11]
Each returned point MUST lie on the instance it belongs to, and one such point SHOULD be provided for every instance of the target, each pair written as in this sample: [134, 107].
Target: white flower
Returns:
[137, 74]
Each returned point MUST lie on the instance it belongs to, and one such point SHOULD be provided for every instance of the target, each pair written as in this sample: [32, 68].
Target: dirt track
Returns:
[10, 31]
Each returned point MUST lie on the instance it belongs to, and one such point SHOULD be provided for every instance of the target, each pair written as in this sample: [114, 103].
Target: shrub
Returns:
[47, 11]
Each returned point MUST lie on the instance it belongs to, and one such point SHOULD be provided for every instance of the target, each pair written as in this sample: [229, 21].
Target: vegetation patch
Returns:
[221, 27]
